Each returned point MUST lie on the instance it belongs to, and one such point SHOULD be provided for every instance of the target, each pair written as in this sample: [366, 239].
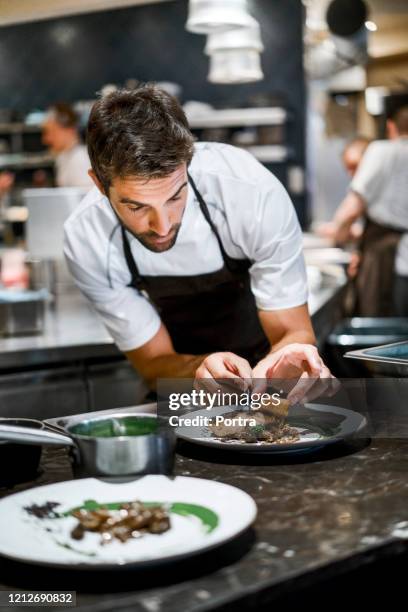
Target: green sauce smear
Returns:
[113, 428]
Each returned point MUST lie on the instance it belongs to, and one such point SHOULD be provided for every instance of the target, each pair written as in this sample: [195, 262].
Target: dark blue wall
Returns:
[71, 58]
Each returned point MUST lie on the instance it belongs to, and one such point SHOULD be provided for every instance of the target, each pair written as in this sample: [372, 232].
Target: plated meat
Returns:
[131, 520]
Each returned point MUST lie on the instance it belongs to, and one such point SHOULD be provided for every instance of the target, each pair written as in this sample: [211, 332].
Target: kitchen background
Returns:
[72, 58]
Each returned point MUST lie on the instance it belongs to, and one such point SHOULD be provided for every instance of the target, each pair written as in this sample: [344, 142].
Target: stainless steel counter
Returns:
[73, 331]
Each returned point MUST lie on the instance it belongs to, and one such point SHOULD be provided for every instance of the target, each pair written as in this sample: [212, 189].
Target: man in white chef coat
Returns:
[60, 133]
[190, 252]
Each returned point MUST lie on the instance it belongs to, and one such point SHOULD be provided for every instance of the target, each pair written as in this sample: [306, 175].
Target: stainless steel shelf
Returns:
[16, 128]
[25, 160]
[240, 117]
[269, 153]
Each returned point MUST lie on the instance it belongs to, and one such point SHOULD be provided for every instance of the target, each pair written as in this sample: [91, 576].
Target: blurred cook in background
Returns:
[379, 191]
[352, 155]
[6, 182]
[61, 135]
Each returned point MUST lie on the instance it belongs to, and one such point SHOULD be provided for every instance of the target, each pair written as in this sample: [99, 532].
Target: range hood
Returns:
[335, 37]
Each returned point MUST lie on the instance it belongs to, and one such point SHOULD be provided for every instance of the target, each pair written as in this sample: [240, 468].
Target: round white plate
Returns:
[203, 514]
[317, 425]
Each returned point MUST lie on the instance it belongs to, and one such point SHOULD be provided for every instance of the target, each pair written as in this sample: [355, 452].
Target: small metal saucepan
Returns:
[119, 445]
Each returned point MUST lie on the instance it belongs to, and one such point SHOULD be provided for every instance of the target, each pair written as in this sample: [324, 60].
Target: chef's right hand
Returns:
[223, 369]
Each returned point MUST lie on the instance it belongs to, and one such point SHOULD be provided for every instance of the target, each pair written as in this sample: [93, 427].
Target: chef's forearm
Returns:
[173, 365]
[292, 337]
[289, 326]
[352, 207]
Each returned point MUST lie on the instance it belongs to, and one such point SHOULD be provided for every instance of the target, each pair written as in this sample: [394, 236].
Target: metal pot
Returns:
[120, 445]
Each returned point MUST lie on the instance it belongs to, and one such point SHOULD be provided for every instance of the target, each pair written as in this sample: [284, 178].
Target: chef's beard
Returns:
[147, 239]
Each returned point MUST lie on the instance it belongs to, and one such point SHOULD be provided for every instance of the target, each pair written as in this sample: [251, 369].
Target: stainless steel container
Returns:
[42, 274]
[386, 360]
[22, 312]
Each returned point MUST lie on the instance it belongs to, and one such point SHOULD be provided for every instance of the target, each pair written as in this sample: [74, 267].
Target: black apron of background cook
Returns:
[375, 278]
[206, 313]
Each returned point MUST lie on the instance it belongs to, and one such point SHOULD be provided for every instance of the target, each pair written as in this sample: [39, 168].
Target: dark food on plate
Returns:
[47, 510]
[270, 429]
[131, 520]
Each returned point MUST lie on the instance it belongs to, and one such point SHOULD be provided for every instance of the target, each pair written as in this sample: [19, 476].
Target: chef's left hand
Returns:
[296, 362]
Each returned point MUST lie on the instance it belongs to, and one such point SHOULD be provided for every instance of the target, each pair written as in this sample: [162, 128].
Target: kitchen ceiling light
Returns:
[371, 26]
[248, 38]
[207, 16]
[231, 66]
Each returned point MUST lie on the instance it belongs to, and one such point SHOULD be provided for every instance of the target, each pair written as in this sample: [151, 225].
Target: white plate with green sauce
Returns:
[203, 514]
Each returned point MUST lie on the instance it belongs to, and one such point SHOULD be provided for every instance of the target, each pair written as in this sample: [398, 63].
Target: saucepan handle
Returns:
[28, 435]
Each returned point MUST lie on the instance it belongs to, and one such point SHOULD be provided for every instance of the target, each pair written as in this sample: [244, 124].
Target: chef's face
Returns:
[57, 137]
[353, 155]
[151, 209]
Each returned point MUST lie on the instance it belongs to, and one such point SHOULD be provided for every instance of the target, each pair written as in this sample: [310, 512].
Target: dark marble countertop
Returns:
[319, 516]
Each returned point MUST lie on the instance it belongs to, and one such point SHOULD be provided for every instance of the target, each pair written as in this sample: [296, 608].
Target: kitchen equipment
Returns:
[386, 360]
[235, 55]
[67, 420]
[361, 333]
[203, 514]
[207, 16]
[42, 274]
[120, 445]
[22, 312]
[20, 463]
[318, 425]
[366, 332]
[48, 210]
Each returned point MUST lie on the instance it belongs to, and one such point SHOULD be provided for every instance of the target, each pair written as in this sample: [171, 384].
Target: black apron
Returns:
[206, 313]
[375, 278]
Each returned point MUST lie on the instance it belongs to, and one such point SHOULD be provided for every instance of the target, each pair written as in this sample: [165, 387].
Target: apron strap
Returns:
[136, 280]
[206, 215]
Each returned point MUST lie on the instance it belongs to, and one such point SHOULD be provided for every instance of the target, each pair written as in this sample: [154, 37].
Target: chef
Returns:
[378, 191]
[190, 252]
[61, 134]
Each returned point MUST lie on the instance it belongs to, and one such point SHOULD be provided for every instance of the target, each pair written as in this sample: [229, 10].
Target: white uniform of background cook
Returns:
[72, 168]
[382, 180]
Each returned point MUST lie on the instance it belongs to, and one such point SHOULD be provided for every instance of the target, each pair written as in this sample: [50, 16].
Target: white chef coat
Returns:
[254, 217]
[72, 168]
[382, 181]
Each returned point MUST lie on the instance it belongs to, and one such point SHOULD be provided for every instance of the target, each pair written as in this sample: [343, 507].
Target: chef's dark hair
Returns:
[142, 132]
